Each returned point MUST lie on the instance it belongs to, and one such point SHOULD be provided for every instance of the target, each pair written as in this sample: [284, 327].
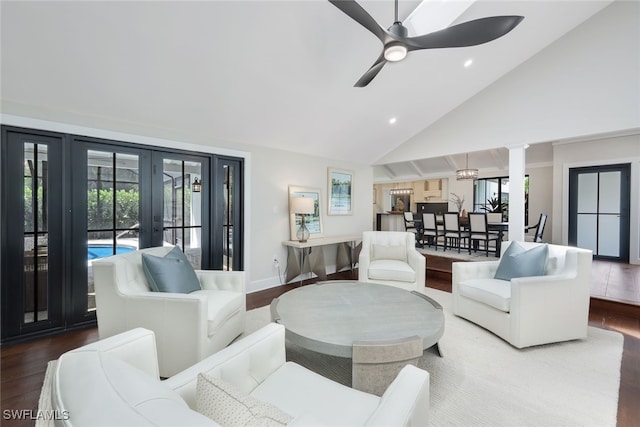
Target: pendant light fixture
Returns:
[466, 174]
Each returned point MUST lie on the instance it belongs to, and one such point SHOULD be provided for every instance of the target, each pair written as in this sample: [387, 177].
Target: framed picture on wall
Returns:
[340, 191]
[313, 221]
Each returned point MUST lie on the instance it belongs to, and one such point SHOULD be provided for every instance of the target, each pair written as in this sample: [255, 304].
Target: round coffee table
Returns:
[329, 317]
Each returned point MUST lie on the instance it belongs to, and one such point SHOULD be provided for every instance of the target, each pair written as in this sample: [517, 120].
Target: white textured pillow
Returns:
[397, 252]
[228, 406]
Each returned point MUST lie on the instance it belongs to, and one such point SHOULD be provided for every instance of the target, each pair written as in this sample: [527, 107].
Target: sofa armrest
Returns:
[363, 265]
[548, 306]
[245, 363]
[418, 262]
[137, 347]
[179, 322]
[549, 296]
[158, 308]
[406, 400]
[222, 280]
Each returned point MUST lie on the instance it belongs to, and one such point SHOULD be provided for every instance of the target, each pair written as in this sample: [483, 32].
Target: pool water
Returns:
[101, 251]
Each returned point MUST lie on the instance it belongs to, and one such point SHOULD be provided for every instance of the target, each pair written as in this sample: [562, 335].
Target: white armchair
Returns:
[115, 382]
[527, 311]
[391, 258]
[188, 327]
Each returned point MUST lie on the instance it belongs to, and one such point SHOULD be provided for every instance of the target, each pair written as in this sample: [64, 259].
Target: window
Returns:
[492, 195]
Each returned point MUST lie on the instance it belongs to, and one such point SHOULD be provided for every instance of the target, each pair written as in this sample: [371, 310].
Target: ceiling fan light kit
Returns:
[397, 44]
[395, 52]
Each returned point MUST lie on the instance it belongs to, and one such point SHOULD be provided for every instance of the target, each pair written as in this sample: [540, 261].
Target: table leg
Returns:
[294, 263]
[316, 263]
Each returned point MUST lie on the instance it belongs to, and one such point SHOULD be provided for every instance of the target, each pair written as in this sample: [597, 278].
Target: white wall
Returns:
[624, 149]
[586, 83]
[268, 174]
[541, 198]
[273, 171]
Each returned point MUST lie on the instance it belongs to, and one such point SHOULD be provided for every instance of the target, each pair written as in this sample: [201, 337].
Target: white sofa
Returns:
[391, 258]
[115, 382]
[527, 311]
[188, 327]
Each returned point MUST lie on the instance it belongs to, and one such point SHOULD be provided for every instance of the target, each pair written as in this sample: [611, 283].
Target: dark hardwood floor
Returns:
[23, 365]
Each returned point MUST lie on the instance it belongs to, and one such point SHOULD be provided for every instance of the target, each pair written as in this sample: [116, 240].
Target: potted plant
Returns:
[458, 201]
[496, 205]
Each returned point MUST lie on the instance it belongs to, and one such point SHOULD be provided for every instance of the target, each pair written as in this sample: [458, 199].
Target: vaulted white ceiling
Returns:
[269, 73]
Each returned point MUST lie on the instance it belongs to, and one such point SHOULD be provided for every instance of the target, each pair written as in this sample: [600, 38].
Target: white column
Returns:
[516, 192]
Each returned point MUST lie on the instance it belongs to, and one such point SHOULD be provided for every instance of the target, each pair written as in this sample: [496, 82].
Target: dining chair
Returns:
[411, 225]
[453, 234]
[539, 227]
[430, 230]
[479, 231]
[494, 216]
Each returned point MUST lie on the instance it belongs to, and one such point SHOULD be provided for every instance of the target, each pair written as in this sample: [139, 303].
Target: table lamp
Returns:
[302, 206]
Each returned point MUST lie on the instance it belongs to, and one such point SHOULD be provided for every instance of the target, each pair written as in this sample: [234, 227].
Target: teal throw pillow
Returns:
[171, 273]
[518, 262]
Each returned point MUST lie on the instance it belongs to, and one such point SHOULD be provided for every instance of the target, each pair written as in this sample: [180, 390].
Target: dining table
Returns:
[500, 227]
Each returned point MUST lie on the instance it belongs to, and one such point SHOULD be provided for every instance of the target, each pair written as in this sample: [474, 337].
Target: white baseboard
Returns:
[272, 282]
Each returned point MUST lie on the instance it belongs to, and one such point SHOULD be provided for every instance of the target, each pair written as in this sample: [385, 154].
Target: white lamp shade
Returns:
[302, 205]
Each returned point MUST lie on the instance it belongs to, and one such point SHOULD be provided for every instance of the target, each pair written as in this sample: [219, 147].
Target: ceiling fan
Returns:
[397, 44]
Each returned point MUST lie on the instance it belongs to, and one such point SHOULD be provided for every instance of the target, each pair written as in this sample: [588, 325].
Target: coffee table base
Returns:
[380, 328]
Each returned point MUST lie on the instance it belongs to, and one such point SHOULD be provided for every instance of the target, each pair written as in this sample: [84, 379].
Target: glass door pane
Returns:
[36, 233]
[182, 207]
[113, 208]
[609, 212]
[227, 224]
[227, 234]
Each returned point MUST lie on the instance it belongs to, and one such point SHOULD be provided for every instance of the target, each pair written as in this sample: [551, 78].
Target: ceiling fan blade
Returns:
[469, 33]
[371, 72]
[361, 16]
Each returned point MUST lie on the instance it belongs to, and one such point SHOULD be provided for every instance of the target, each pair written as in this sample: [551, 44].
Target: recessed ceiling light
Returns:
[392, 121]
[468, 63]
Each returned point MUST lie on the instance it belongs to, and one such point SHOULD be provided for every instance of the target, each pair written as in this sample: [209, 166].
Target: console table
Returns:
[308, 257]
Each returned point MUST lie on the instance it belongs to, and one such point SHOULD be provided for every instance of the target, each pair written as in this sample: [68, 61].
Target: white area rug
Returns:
[484, 381]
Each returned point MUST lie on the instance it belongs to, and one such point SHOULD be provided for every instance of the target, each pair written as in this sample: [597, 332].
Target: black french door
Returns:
[33, 220]
[599, 207]
[69, 200]
[227, 236]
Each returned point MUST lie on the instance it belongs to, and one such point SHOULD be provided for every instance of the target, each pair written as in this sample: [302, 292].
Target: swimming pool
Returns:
[100, 251]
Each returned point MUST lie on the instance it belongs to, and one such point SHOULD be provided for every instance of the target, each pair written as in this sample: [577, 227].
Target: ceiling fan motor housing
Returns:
[398, 30]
